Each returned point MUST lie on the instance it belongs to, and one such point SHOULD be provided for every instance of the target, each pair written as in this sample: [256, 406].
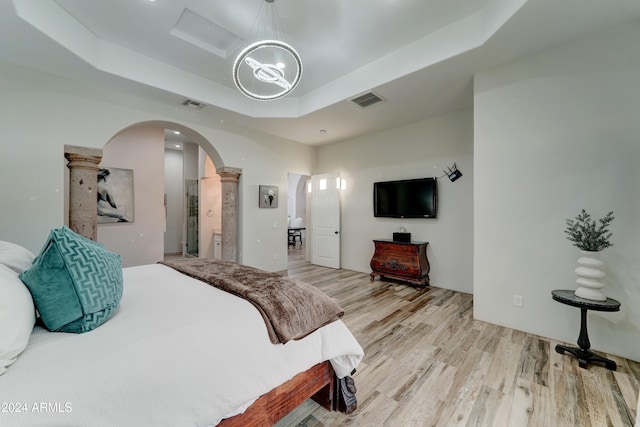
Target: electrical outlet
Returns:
[517, 300]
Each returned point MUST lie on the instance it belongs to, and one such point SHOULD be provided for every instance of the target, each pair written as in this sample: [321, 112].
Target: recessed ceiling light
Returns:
[177, 145]
[323, 131]
[177, 132]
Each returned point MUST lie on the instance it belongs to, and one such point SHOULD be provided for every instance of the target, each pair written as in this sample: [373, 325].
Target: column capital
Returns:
[82, 157]
[229, 174]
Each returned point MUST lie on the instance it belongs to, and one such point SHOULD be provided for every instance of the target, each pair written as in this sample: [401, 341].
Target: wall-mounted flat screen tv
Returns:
[409, 198]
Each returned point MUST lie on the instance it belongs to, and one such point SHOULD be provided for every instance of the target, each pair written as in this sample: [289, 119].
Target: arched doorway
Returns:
[297, 216]
[140, 148]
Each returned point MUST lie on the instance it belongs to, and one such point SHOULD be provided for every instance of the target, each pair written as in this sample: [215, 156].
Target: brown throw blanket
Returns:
[291, 308]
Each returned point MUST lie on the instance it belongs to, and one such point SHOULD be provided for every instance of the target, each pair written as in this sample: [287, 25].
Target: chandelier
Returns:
[269, 68]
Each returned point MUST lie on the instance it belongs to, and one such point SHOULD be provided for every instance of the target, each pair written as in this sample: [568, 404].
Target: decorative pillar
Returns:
[229, 180]
[83, 194]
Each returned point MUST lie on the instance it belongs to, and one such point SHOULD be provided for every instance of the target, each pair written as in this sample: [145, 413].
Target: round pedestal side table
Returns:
[582, 353]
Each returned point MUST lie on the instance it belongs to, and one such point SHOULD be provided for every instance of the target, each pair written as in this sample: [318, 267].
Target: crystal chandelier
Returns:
[268, 68]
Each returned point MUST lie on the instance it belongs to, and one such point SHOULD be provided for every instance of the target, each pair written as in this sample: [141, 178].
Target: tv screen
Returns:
[409, 198]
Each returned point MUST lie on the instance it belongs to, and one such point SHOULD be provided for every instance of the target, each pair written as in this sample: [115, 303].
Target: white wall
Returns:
[292, 183]
[173, 187]
[296, 198]
[141, 241]
[301, 199]
[556, 133]
[417, 150]
[40, 113]
[191, 159]
[264, 231]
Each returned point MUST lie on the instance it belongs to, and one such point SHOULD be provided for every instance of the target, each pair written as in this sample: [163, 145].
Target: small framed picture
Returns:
[268, 196]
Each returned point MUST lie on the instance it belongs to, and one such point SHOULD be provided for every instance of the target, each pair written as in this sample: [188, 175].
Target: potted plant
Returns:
[591, 237]
[587, 234]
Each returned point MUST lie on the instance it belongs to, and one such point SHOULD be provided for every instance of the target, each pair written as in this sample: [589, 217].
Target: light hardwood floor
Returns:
[428, 363]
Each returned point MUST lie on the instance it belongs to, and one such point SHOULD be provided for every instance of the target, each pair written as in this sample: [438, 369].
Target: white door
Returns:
[325, 219]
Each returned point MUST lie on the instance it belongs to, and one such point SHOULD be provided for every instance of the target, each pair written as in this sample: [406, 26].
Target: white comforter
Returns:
[176, 353]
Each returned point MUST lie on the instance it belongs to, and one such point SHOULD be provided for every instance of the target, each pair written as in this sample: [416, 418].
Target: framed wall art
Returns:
[115, 195]
[268, 196]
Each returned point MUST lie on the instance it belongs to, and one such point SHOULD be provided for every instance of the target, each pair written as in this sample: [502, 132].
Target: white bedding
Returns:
[176, 353]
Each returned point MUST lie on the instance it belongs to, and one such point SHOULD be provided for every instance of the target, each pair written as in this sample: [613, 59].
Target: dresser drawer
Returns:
[394, 248]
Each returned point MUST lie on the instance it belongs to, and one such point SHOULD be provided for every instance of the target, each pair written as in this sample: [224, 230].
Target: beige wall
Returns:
[417, 150]
[141, 241]
[556, 133]
[40, 113]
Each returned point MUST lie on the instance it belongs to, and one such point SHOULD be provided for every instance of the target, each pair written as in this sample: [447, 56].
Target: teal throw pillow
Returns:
[75, 282]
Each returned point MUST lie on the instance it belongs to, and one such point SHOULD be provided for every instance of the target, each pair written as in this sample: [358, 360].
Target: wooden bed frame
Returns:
[319, 383]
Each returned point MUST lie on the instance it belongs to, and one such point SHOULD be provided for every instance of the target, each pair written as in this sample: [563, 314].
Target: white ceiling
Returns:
[418, 55]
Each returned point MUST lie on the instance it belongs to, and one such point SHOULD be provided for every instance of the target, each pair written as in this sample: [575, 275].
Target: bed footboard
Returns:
[319, 383]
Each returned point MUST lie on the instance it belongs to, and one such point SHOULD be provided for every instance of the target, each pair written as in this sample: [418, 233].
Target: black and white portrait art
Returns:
[115, 195]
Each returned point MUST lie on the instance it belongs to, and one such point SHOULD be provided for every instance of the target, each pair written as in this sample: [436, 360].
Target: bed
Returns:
[176, 352]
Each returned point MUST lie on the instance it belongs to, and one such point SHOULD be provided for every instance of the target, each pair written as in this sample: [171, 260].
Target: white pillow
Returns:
[17, 317]
[15, 257]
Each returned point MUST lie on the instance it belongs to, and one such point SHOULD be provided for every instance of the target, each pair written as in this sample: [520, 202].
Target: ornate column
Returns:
[229, 180]
[83, 194]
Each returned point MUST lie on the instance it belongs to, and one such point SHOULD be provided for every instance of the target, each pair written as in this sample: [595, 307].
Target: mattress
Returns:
[176, 353]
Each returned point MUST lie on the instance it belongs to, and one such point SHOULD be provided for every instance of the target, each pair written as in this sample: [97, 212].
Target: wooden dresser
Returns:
[402, 261]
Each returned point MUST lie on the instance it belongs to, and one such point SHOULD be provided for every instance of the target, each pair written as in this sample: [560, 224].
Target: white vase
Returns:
[590, 274]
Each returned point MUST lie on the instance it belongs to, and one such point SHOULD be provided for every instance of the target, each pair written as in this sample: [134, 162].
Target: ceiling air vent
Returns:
[190, 103]
[367, 100]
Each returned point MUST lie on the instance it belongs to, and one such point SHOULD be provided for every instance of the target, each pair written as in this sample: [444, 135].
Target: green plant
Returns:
[588, 234]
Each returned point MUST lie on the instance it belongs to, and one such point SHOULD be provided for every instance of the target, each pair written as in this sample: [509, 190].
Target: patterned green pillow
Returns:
[75, 282]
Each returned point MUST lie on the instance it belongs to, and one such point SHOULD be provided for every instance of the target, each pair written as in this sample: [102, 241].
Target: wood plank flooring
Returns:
[428, 363]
